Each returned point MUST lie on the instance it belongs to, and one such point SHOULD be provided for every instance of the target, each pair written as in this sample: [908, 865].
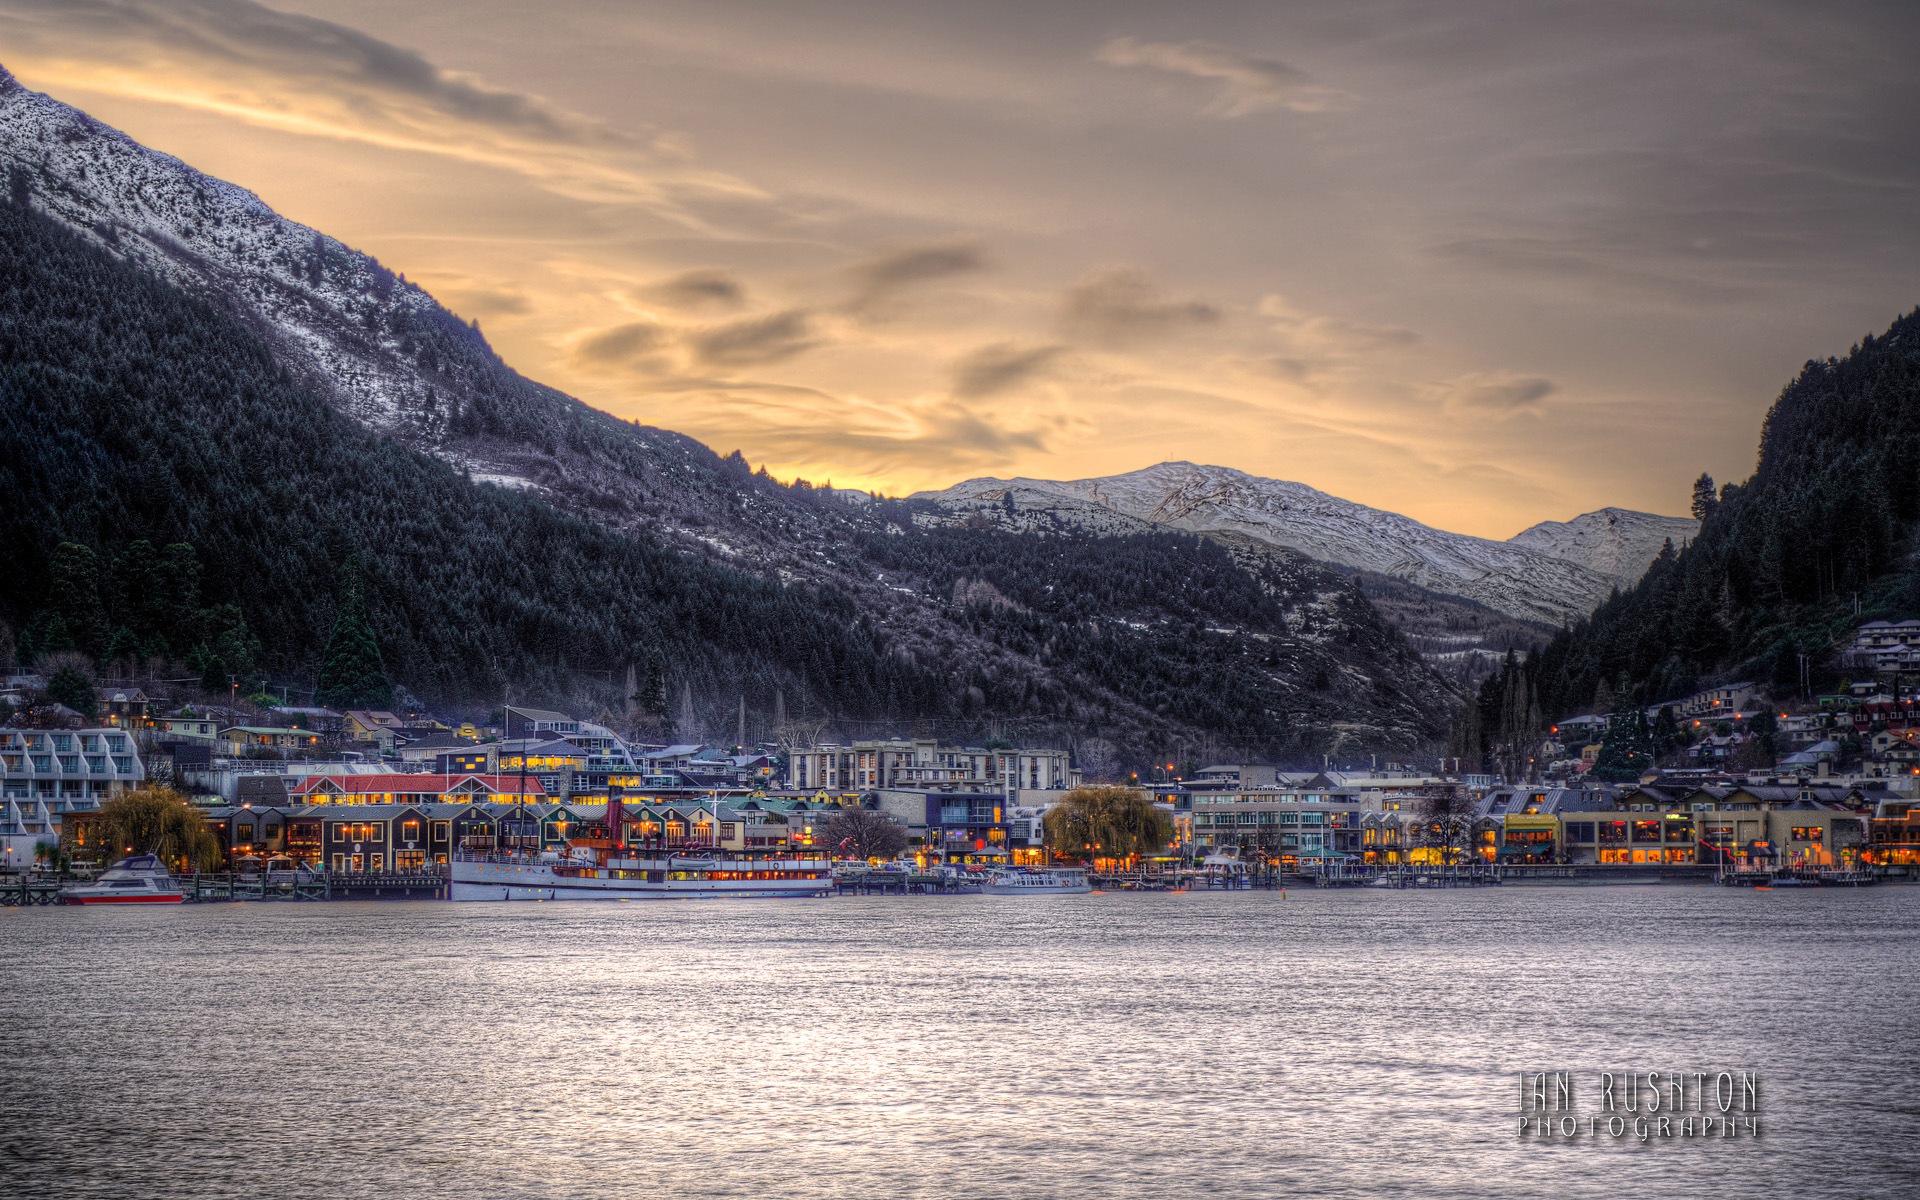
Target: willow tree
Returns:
[160, 821]
[1107, 821]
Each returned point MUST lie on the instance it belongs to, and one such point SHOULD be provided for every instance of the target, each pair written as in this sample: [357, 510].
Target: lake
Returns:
[1325, 1043]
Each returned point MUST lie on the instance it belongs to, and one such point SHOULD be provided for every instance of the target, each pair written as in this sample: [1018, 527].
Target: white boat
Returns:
[634, 875]
[1030, 881]
[142, 879]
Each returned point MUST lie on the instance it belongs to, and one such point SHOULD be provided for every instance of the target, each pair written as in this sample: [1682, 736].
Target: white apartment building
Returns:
[47, 772]
[925, 765]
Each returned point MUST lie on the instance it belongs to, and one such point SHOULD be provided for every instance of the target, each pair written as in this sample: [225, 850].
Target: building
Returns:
[377, 726]
[1022, 776]
[26, 826]
[416, 789]
[188, 727]
[68, 768]
[1530, 824]
[1297, 829]
[1731, 700]
[238, 741]
[1895, 832]
[125, 708]
[953, 825]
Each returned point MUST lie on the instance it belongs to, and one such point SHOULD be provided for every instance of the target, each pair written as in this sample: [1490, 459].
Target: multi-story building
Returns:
[1300, 829]
[67, 765]
[48, 774]
[1022, 776]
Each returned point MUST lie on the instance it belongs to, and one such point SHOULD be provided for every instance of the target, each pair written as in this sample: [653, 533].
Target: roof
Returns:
[540, 714]
[439, 741]
[415, 784]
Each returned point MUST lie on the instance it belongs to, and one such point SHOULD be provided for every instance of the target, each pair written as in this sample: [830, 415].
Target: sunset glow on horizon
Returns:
[920, 244]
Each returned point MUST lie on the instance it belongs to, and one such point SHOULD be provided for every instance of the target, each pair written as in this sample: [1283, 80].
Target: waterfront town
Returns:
[1827, 787]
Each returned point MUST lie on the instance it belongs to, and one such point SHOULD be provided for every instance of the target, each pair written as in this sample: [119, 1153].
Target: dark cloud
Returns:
[1122, 308]
[885, 275]
[368, 72]
[756, 341]
[619, 345]
[993, 369]
[705, 288]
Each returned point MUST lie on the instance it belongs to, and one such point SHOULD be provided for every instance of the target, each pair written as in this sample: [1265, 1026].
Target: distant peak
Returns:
[7, 82]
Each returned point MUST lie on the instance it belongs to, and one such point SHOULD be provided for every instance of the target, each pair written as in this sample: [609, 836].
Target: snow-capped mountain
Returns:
[1553, 573]
[324, 302]
[343, 330]
[1616, 542]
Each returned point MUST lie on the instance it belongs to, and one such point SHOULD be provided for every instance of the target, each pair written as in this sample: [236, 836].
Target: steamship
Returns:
[600, 866]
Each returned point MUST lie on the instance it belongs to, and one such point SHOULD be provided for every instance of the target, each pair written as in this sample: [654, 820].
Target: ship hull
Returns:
[540, 881]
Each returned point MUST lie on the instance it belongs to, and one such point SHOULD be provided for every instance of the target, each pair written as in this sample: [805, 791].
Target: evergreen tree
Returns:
[71, 687]
[352, 674]
[1705, 499]
[76, 596]
[1627, 751]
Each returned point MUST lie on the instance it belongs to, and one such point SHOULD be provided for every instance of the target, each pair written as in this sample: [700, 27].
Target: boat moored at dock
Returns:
[1036, 881]
[141, 879]
[636, 876]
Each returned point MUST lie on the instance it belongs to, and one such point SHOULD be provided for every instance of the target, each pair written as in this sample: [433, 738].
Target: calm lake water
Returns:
[1344, 1043]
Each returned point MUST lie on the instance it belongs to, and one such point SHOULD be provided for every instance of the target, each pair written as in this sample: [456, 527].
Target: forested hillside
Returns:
[1271, 654]
[1820, 538]
[135, 418]
[175, 493]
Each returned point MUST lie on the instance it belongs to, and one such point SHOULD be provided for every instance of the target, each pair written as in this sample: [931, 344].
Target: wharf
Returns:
[898, 883]
[225, 887]
[29, 891]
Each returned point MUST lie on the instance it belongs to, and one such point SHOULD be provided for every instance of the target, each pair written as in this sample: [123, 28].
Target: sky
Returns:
[1485, 263]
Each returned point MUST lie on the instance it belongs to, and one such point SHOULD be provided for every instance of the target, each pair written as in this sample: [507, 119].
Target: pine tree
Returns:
[352, 674]
[1705, 499]
[71, 687]
[1627, 751]
[76, 596]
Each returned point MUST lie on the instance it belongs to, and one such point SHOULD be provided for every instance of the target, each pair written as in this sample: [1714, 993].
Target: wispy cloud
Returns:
[307, 75]
[1496, 394]
[1123, 308]
[994, 369]
[885, 275]
[1248, 83]
[756, 341]
[620, 346]
[703, 288]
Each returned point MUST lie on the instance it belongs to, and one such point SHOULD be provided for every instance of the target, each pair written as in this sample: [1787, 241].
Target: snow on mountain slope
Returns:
[381, 349]
[1616, 542]
[321, 300]
[1551, 580]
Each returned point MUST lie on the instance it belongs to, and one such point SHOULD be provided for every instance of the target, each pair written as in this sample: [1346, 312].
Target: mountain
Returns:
[1551, 574]
[1819, 539]
[203, 401]
[1615, 542]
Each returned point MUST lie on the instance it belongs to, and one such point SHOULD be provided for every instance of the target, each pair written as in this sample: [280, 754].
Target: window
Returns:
[1807, 833]
[1646, 831]
[1580, 832]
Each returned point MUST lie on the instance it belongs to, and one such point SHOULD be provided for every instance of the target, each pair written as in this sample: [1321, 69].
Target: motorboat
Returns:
[1037, 881]
[141, 879]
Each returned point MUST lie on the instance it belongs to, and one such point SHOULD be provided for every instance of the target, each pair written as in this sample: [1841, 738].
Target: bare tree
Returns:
[864, 833]
[1443, 822]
